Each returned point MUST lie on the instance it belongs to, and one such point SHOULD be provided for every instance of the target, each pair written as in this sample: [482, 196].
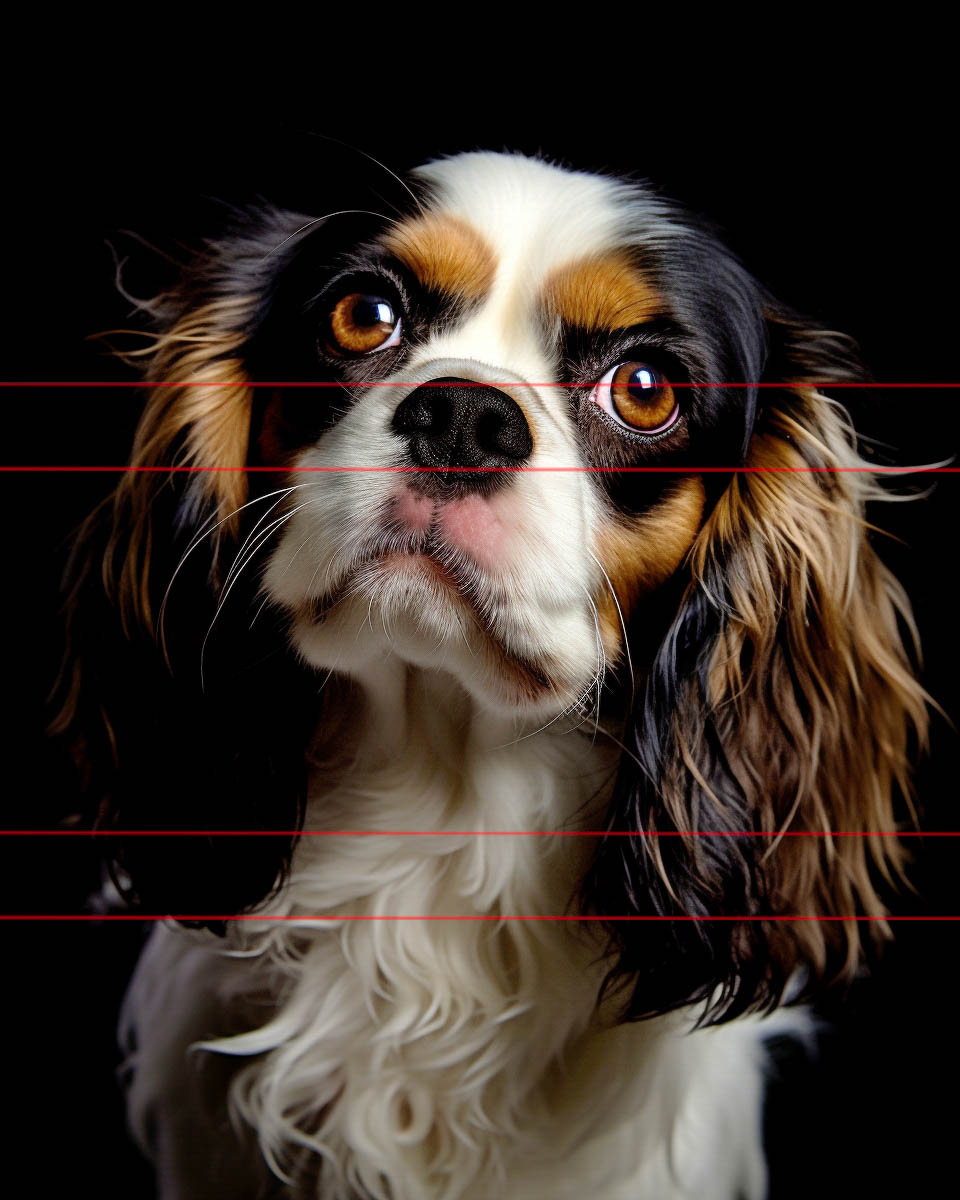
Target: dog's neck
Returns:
[413, 730]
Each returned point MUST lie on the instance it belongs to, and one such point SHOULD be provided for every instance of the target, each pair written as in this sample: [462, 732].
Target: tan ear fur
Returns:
[200, 418]
[811, 687]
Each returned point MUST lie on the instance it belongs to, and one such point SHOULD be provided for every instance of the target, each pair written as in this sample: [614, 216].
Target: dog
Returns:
[496, 572]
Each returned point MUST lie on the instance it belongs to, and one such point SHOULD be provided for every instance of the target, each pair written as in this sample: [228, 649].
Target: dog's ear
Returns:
[188, 713]
[779, 719]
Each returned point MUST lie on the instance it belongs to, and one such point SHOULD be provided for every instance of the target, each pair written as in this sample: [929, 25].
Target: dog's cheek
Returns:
[639, 554]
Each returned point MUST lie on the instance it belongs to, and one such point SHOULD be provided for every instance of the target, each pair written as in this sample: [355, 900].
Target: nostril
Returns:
[504, 431]
[488, 431]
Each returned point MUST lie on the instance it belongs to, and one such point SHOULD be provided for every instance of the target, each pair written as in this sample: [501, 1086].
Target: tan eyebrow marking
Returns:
[445, 254]
[604, 291]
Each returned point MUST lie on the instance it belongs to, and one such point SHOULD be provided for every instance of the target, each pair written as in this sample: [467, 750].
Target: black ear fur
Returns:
[161, 750]
[667, 965]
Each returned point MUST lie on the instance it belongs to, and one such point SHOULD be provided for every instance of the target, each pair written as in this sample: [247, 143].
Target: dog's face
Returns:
[515, 434]
[524, 324]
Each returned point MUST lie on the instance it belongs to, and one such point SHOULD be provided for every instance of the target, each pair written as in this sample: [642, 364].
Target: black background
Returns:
[842, 206]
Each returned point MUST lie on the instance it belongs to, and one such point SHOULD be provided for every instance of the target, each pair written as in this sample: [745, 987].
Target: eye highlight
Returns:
[638, 397]
[361, 324]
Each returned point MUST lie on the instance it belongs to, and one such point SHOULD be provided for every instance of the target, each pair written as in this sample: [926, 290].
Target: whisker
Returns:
[343, 212]
[623, 624]
[376, 162]
[236, 565]
[196, 541]
[264, 536]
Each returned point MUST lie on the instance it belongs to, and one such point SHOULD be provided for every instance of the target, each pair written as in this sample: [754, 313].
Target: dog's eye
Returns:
[360, 324]
[638, 397]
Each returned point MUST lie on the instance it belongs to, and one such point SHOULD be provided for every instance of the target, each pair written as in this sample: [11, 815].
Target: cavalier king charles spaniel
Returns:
[491, 608]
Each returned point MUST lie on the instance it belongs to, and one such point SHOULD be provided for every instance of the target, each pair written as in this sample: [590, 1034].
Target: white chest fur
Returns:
[426, 1058]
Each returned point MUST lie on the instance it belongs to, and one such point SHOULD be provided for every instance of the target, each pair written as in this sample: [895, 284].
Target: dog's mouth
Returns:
[421, 574]
[380, 571]
[428, 561]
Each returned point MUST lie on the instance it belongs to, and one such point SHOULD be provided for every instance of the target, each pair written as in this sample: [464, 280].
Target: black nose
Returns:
[455, 423]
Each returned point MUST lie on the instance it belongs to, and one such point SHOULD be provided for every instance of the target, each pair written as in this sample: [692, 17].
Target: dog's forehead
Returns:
[529, 211]
[533, 238]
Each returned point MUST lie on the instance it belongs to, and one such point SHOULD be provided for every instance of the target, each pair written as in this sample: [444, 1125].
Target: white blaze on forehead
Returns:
[535, 216]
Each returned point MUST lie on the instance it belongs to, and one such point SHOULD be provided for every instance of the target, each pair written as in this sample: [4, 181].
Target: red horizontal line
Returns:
[429, 917]
[660, 470]
[914, 833]
[286, 383]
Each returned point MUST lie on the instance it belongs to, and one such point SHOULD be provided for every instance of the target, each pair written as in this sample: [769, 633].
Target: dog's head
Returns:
[503, 435]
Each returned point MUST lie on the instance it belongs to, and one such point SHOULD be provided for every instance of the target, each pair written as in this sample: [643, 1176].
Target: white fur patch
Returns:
[447, 1060]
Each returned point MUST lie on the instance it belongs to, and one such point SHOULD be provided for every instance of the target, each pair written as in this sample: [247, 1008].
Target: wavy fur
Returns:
[782, 702]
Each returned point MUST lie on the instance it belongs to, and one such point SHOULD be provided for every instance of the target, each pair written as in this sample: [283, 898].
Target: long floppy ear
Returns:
[206, 730]
[782, 703]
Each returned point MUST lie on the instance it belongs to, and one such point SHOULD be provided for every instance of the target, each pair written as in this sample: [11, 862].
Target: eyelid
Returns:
[373, 282]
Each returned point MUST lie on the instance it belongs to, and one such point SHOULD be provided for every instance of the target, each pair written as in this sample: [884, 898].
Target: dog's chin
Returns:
[413, 608]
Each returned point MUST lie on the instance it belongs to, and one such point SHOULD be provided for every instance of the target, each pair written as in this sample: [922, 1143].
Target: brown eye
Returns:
[360, 324]
[638, 396]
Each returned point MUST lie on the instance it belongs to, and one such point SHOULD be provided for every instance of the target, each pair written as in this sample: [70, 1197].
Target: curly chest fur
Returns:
[422, 1057]
[432, 1040]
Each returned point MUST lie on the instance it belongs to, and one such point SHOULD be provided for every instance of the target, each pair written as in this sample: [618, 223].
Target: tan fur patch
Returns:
[601, 292]
[641, 553]
[445, 254]
[199, 418]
